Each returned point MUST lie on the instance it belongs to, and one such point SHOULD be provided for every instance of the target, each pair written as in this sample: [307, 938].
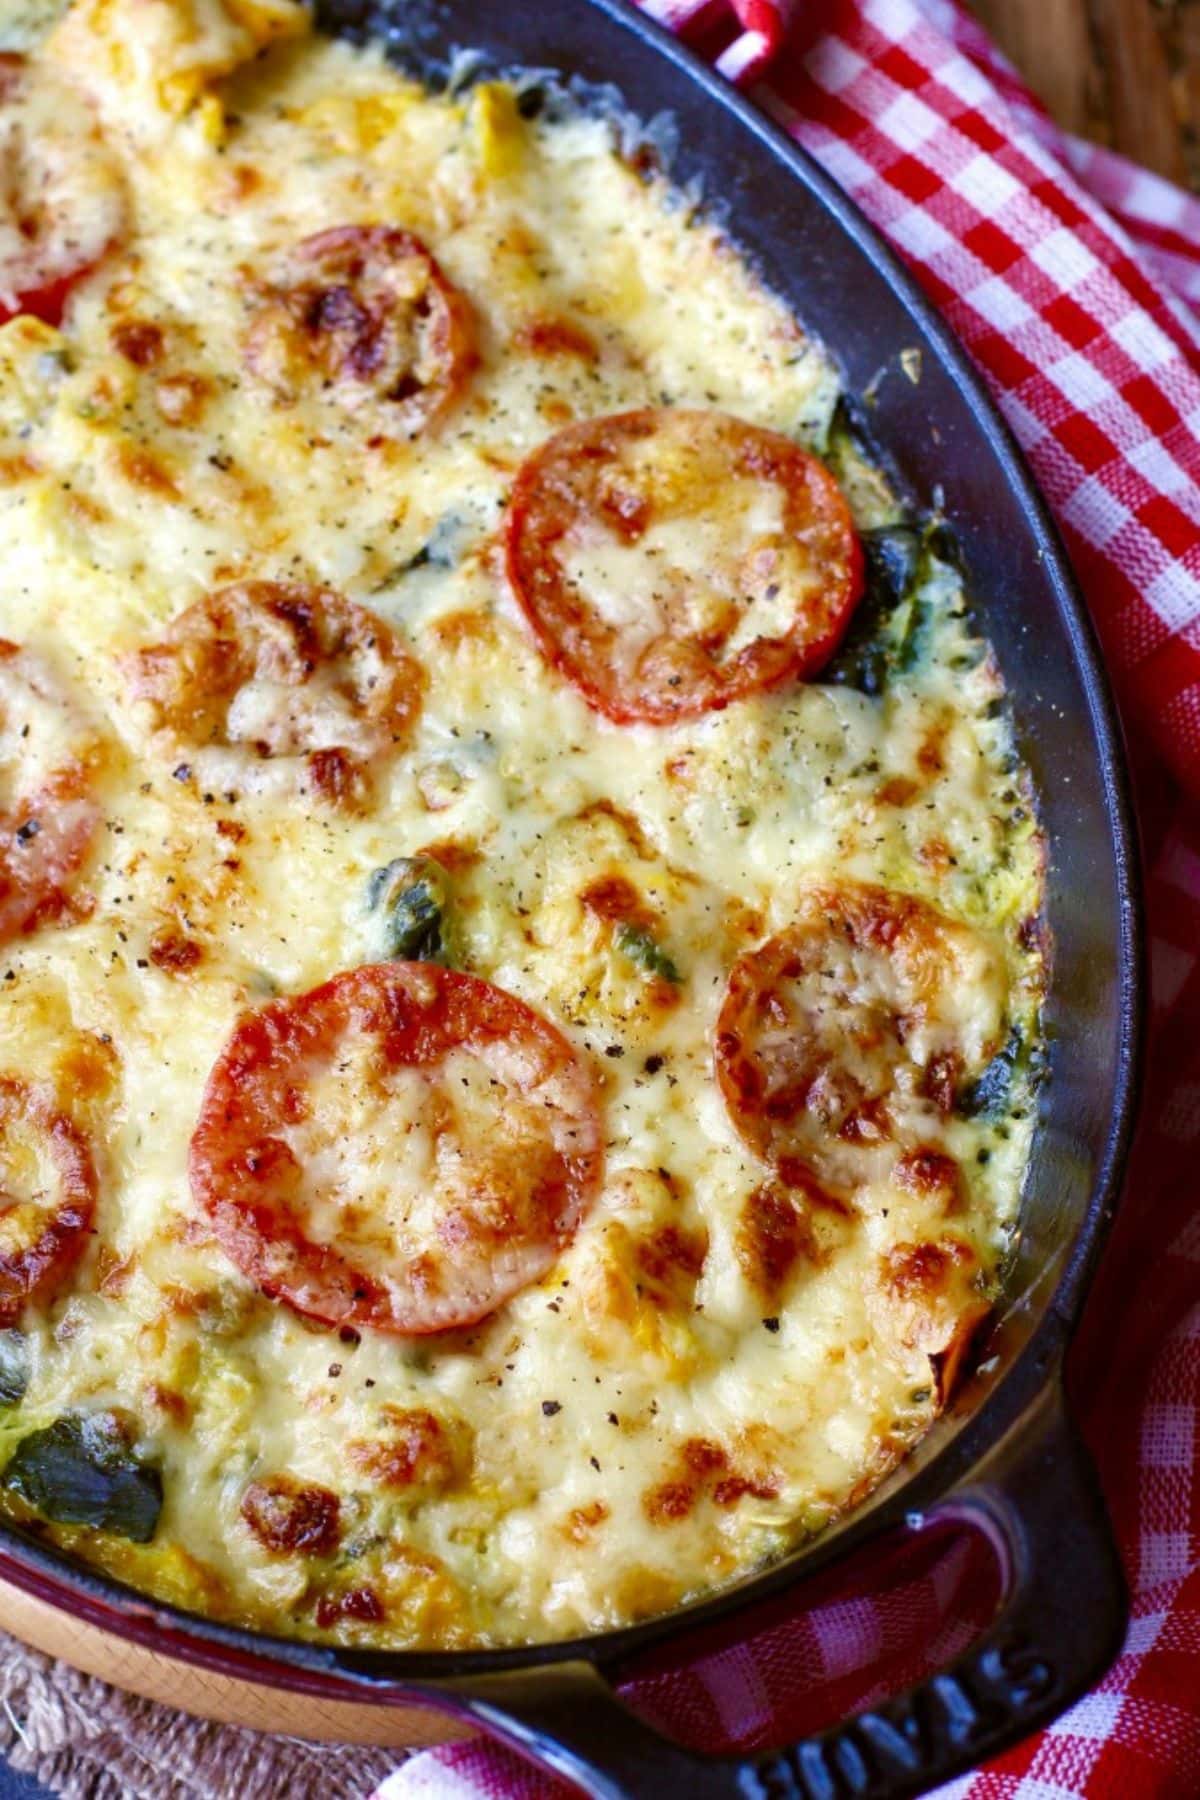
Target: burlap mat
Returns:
[87, 1741]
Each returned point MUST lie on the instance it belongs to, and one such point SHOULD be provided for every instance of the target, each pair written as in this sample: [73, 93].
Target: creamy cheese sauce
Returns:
[529, 1477]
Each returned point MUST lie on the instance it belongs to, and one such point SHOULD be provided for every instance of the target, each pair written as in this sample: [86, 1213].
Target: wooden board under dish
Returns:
[213, 1696]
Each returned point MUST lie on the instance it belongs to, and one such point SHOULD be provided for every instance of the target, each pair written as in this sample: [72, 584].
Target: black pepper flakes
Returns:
[771, 1324]
[550, 1407]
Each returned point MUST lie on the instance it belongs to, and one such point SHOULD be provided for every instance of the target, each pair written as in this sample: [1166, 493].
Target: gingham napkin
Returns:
[1073, 278]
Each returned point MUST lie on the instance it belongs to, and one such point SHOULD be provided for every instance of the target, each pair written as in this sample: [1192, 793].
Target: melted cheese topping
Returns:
[58, 208]
[666, 1407]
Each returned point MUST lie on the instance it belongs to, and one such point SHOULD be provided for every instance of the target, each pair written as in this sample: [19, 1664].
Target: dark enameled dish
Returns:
[1005, 1456]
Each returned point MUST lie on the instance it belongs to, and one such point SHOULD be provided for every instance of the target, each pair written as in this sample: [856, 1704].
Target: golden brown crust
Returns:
[365, 315]
[251, 683]
[292, 1518]
[835, 1032]
[42, 1244]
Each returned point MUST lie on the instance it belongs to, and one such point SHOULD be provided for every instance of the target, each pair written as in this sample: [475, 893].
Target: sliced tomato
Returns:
[61, 196]
[46, 749]
[42, 845]
[927, 1296]
[363, 314]
[42, 1234]
[835, 1037]
[274, 686]
[671, 562]
[403, 1148]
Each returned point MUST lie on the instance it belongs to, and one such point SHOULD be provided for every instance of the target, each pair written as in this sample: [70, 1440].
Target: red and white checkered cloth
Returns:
[1074, 280]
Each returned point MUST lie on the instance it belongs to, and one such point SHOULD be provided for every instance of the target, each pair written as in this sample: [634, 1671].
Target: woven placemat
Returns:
[86, 1740]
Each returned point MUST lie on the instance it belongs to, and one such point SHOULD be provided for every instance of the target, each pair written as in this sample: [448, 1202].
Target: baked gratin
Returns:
[521, 964]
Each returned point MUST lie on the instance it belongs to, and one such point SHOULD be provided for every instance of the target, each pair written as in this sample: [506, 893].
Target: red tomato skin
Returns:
[750, 672]
[47, 303]
[238, 1166]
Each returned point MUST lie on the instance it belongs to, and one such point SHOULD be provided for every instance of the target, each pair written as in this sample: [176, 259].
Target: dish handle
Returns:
[1058, 1628]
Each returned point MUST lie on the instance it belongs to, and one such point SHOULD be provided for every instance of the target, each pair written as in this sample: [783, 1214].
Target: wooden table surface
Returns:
[1125, 72]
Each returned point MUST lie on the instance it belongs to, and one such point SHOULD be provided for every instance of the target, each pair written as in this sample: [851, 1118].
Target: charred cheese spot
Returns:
[139, 341]
[555, 337]
[290, 1519]
[414, 1450]
[172, 951]
[113, 1272]
[169, 1403]
[182, 397]
[669, 1502]
[709, 1471]
[582, 1521]
[774, 1236]
[671, 1259]
[149, 471]
[359, 1604]
[412, 1593]
[930, 1174]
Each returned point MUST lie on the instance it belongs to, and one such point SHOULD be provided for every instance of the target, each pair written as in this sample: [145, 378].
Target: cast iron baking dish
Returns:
[1005, 1456]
